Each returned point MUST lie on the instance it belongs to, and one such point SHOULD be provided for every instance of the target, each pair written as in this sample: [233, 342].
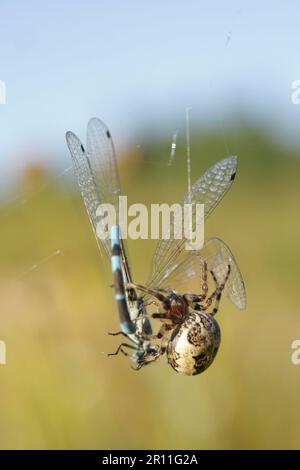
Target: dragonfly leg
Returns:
[120, 349]
[117, 333]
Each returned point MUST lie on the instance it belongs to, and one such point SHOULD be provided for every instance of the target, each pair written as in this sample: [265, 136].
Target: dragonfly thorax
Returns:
[194, 344]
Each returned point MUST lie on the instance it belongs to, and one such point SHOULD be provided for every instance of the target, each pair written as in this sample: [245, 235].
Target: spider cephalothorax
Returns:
[178, 305]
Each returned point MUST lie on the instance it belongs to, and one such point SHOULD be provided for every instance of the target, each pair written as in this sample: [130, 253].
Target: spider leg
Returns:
[161, 332]
[217, 293]
[154, 293]
[193, 299]
[166, 290]
[163, 346]
[204, 285]
[209, 300]
[166, 316]
[151, 302]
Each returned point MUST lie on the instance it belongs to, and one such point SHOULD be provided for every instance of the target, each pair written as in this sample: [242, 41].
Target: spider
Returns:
[189, 336]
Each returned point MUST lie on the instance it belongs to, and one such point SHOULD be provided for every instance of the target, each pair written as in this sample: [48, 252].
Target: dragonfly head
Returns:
[145, 355]
[194, 344]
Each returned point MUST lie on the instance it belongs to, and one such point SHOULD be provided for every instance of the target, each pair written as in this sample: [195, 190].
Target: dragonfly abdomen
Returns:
[127, 326]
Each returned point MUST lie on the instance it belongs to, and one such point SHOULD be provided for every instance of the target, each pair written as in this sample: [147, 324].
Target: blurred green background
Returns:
[138, 65]
[58, 390]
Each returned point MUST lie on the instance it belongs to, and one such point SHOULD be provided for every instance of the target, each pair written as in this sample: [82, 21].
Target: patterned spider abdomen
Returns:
[194, 344]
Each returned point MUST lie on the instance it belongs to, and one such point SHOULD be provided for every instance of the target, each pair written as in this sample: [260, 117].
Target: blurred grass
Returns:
[59, 391]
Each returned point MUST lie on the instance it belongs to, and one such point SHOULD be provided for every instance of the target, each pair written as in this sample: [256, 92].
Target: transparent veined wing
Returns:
[96, 170]
[209, 189]
[218, 256]
[98, 179]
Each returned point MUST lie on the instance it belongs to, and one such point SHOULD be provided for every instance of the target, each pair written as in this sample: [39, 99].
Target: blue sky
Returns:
[138, 64]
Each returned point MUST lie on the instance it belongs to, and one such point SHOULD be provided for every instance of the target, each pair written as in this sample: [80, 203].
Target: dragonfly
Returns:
[189, 334]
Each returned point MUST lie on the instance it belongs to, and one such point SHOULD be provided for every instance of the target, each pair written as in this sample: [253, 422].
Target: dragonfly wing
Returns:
[218, 256]
[96, 171]
[98, 179]
[86, 181]
[209, 189]
[103, 161]
[102, 158]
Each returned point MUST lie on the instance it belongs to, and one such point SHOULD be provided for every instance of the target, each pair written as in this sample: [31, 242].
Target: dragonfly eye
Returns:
[194, 344]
